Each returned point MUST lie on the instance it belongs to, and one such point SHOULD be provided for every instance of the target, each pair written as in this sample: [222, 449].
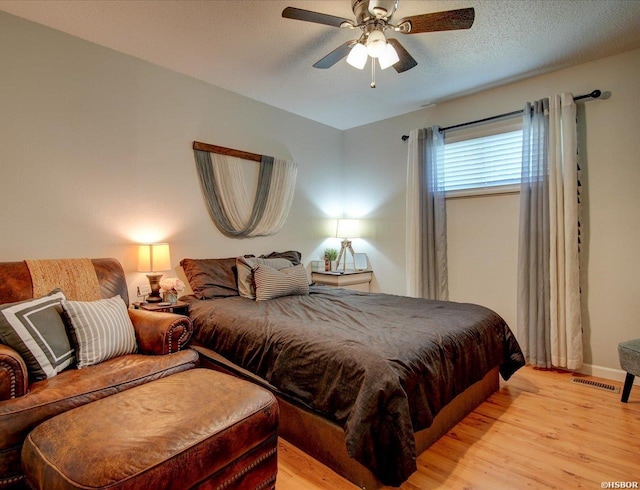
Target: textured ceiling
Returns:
[248, 48]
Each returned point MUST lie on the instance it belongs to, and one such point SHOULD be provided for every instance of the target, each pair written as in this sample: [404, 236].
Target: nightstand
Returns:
[179, 307]
[357, 280]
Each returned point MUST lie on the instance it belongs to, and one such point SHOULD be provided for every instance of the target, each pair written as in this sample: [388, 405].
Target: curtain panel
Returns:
[426, 226]
[549, 315]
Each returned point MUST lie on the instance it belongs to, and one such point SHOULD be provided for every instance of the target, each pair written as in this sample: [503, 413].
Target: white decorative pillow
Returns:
[272, 283]
[245, 266]
[35, 330]
[102, 329]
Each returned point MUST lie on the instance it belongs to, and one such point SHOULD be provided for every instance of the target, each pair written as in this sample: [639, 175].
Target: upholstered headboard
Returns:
[16, 284]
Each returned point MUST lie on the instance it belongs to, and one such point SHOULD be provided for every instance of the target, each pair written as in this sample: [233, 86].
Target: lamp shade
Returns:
[348, 228]
[358, 56]
[376, 43]
[154, 257]
[388, 58]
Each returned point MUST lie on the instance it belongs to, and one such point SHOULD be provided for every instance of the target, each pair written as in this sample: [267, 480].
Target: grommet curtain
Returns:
[549, 315]
[426, 227]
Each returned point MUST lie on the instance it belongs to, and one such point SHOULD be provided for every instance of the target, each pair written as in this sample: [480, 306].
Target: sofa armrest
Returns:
[14, 378]
[160, 333]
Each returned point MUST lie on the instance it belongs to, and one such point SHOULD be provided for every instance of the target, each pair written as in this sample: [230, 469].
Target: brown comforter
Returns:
[380, 366]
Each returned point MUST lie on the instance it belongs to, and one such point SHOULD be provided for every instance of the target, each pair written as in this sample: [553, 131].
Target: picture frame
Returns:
[360, 262]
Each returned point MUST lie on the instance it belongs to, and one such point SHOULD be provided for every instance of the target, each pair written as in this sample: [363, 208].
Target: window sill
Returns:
[485, 191]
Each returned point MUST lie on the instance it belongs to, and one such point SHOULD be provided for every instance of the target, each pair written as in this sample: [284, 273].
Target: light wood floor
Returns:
[538, 431]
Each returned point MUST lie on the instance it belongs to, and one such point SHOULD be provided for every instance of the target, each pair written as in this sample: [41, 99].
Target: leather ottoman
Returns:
[195, 429]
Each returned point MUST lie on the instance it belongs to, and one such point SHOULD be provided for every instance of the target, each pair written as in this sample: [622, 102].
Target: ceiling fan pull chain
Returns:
[373, 73]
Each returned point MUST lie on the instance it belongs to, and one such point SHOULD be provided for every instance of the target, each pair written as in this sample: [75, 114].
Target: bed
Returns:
[365, 381]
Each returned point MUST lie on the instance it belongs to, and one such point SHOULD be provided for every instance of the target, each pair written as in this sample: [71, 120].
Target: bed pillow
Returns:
[245, 265]
[101, 329]
[291, 255]
[36, 331]
[272, 283]
[211, 278]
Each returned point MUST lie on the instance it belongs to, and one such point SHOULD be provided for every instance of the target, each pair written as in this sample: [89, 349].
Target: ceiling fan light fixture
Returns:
[373, 18]
[358, 56]
[376, 43]
[389, 57]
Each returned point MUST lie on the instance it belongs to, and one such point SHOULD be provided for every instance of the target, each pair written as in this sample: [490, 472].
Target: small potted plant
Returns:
[331, 257]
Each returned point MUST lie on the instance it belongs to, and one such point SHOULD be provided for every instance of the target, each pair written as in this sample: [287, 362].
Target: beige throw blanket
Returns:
[75, 277]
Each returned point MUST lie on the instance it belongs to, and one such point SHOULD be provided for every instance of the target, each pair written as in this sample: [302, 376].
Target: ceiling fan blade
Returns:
[336, 55]
[438, 21]
[318, 18]
[406, 60]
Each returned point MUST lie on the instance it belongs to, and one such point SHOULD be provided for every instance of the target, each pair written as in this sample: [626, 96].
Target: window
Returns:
[476, 162]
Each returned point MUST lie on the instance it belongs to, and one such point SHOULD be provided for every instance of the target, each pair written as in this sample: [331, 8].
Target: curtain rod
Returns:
[221, 150]
[593, 95]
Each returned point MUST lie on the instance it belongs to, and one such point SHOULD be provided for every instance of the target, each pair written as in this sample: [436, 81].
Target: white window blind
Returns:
[483, 162]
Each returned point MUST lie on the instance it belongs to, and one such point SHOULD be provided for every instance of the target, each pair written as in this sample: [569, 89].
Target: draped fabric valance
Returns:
[227, 199]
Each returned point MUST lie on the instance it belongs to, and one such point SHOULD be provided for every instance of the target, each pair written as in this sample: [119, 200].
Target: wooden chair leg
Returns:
[628, 383]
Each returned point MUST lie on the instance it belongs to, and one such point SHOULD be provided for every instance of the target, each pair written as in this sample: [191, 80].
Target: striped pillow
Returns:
[245, 267]
[272, 283]
[35, 330]
[102, 329]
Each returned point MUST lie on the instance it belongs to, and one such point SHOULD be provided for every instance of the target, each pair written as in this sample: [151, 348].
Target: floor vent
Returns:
[596, 384]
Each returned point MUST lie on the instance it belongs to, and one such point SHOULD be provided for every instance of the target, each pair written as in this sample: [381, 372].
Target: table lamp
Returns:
[347, 229]
[152, 258]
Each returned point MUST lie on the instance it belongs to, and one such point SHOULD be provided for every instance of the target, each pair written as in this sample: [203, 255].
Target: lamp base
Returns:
[154, 282]
[346, 246]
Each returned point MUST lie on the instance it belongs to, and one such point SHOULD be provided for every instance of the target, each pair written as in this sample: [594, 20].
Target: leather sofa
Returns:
[24, 403]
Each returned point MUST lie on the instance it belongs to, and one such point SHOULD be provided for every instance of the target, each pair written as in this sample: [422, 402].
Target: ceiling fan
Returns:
[373, 17]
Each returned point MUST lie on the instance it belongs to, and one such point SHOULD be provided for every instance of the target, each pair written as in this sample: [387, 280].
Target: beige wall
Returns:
[482, 231]
[95, 155]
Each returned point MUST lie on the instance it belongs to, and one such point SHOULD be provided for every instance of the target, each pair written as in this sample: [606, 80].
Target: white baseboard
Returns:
[607, 373]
